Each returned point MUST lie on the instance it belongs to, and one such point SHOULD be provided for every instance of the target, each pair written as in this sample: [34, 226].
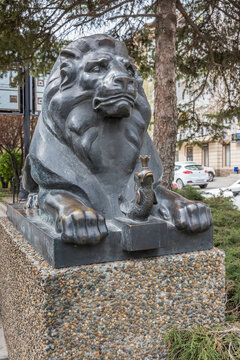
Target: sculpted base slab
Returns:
[125, 240]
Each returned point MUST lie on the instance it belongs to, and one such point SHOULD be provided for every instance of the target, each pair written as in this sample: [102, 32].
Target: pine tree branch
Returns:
[234, 3]
[97, 14]
[222, 9]
[52, 14]
[132, 16]
[196, 29]
[202, 87]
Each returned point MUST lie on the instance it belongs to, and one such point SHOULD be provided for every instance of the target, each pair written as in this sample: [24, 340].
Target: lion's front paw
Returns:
[81, 226]
[192, 217]
[32, 201]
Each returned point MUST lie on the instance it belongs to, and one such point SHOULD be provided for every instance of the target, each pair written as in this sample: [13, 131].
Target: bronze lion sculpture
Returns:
[86, 146]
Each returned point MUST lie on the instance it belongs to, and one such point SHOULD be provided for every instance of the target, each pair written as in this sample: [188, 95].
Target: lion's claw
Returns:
[82, 226]
[32, 201]
[193, 217]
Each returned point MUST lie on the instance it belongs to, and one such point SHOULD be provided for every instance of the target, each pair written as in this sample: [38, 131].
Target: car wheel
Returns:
[210, 176]
[179, 183]
[203, 186]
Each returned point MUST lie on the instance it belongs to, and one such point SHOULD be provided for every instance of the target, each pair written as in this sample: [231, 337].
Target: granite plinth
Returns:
[124, 241]
[116, 310]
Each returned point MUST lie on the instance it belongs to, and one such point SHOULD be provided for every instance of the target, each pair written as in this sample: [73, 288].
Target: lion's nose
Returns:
[124, 80]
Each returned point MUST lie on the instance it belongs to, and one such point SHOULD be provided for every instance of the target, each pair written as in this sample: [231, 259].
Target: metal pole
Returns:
[26, 111]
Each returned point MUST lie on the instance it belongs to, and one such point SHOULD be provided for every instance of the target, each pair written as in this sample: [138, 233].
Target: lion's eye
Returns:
[101, 66]
[96, 68]
[130, 70]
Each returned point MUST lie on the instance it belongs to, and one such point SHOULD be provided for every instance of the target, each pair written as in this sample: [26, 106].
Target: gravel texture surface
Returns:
[115, 310]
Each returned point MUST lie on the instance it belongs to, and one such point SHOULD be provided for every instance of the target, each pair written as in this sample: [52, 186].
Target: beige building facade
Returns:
[222, 156]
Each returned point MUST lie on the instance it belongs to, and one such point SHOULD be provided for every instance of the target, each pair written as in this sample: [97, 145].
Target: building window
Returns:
[13, 99]
[189, 153]
[226, 155]
[205, 155]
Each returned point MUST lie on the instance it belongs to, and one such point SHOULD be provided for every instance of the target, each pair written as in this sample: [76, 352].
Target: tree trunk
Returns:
[4, 183]
[15, 171]
[165, 108]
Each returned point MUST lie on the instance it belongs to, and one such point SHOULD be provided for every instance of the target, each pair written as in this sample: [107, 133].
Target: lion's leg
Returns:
[76, 222]
[186, 215]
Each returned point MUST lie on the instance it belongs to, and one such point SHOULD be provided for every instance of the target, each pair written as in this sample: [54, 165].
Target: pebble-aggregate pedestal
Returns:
[117, 310]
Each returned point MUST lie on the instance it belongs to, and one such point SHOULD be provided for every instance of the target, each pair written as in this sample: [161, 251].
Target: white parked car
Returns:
[211, 173]
[235, 188]
[232, 191]
[210, 170]
[190, 174]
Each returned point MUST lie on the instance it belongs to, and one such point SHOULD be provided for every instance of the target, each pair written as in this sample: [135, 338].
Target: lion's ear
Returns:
[67, 68]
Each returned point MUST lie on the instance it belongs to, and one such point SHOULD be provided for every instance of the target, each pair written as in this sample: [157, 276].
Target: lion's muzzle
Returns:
[119, 105]
[98, 102]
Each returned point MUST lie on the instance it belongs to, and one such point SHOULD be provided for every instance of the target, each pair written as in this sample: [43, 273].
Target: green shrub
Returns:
[216, 343]
[190, 193]
[226, 236]
[199, 343]
[6, 172]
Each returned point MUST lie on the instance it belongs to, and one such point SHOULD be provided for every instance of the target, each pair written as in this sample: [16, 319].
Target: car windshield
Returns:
[194, 167]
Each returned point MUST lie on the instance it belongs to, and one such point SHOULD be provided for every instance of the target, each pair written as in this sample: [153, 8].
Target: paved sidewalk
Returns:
[3, 209]
[3, 348]
[223, 181]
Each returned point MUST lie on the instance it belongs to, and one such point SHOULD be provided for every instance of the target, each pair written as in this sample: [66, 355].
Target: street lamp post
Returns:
[26, 111]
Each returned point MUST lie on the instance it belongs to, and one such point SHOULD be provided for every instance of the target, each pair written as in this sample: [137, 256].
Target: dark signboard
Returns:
[236, 137]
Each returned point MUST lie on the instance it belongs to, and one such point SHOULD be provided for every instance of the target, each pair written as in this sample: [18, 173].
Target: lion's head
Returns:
[93, 89]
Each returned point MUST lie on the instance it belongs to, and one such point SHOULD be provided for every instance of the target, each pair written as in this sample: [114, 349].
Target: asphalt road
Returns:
[223, 181]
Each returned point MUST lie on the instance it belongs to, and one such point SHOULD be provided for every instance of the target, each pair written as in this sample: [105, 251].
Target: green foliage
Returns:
[142, 49]
[226, 220]
[226, 236]
[208, 62]
[191, 193]
[26, 37]
[215, 343]
[6, 171]
[3, 195]
[209, 127]
[199, 343]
